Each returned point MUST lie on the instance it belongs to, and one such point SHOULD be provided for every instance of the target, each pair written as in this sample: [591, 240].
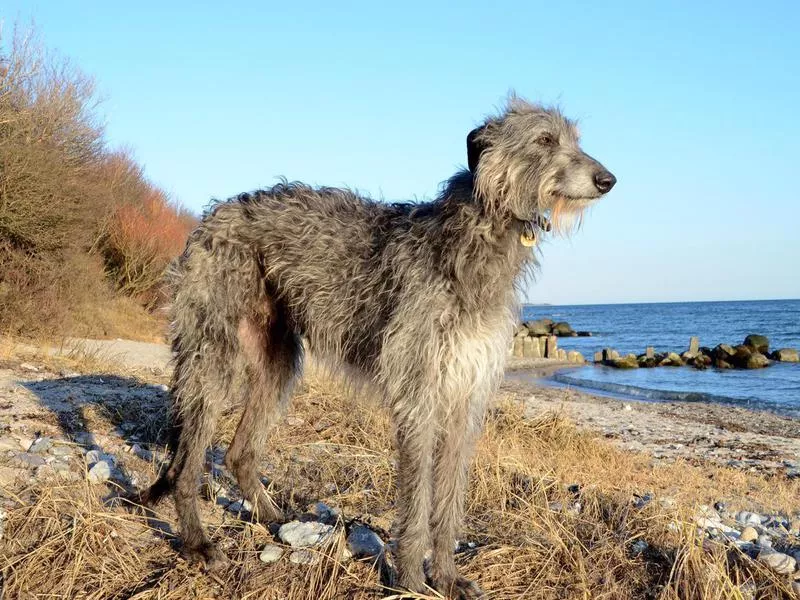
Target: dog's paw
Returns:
[207, 555]
[463, 589]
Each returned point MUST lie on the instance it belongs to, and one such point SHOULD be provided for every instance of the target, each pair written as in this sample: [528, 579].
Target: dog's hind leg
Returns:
[273, 353]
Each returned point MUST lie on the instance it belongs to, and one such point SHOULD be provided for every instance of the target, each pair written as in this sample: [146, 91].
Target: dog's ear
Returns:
[474, 147]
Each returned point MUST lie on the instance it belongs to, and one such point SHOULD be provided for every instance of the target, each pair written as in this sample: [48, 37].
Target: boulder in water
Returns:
[756, 361]
[758, 343]
[563, 329]
[786, 355]
[671, 360]
[539, 327]
[626, 362]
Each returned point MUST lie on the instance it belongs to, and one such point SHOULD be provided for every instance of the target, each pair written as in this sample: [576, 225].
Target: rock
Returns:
[29, 367]
[748, 534]
[100, 472]
[646, 362]
[628, 362]
[610, 354]
[598, 357]
[764, 541]
[756, 361]
[305, 535]
[27, 460]
[638, 547]
[322, 512]
[304, 557]
[723, 352]
[650, 352]
[672, 360]
[363, 542]
[60, 450]
[574, 356]
[786, 355]
[562, 329]
[531, 348]
[270, 554]
[748, 518]
[40, 445]
[93, 456]
[240, 506]
[758, 343]
[292, 421]
[584, 334]
[694, 345]
[562, 354]
[551, 347]
[777, 561]
[542, 341]
[540, 327]
[722, 364]
[518, 350]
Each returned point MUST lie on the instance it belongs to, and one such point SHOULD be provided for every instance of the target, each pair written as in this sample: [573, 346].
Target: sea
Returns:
[630, 328]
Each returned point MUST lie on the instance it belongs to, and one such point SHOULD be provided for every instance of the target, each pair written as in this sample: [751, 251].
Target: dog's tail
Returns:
[214, 283]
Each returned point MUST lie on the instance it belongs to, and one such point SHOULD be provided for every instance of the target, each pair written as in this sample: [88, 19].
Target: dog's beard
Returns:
[566, 214]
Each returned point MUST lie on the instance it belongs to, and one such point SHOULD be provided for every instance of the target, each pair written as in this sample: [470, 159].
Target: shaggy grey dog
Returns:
[416, 299]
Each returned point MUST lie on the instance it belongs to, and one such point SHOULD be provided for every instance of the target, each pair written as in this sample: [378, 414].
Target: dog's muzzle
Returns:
[529, 229]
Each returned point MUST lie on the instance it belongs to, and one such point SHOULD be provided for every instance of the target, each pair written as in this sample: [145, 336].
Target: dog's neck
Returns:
[479, 245]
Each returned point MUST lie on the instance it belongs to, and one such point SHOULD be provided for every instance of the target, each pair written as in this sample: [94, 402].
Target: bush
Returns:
[78, 223]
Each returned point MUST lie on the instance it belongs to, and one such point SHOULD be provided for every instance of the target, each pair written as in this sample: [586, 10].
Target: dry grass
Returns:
[64, 541]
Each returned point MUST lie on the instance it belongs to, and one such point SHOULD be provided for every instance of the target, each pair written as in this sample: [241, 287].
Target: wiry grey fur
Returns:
[419, 299]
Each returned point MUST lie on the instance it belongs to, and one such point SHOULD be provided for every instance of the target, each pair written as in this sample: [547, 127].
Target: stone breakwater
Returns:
[539, 339]
[752, 353]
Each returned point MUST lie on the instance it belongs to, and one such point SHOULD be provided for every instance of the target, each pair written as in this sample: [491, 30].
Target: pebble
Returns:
[748, 518]
[363, 542]
[40, 445]
[293, 421]
[240, 506]
[61, 451]
[271, 553]
[25, 459]
[93, 456]
[323, 512]
[304, 557]
[638, 547]
[778, 562]
[163, 388]
[764, 541]
[100, 472]
[29, 367]
[137, 450]
[304, 535]
[748, 534]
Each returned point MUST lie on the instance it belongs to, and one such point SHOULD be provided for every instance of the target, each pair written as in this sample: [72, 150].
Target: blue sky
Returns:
[693, 106]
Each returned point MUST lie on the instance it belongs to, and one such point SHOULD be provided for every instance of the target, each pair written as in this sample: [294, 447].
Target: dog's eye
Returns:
[546, 140]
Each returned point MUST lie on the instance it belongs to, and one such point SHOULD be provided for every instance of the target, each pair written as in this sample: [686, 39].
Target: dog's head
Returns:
[528, 164]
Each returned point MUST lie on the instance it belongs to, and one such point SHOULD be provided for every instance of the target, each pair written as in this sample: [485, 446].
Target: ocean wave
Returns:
[654, 395]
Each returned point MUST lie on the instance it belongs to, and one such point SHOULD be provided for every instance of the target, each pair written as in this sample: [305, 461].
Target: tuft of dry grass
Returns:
[549, 516]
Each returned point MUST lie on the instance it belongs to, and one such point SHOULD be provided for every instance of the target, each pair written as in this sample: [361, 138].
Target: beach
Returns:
[726, 435]
[565, 488]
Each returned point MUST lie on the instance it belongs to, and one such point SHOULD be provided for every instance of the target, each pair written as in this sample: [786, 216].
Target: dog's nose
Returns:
[604, 181]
